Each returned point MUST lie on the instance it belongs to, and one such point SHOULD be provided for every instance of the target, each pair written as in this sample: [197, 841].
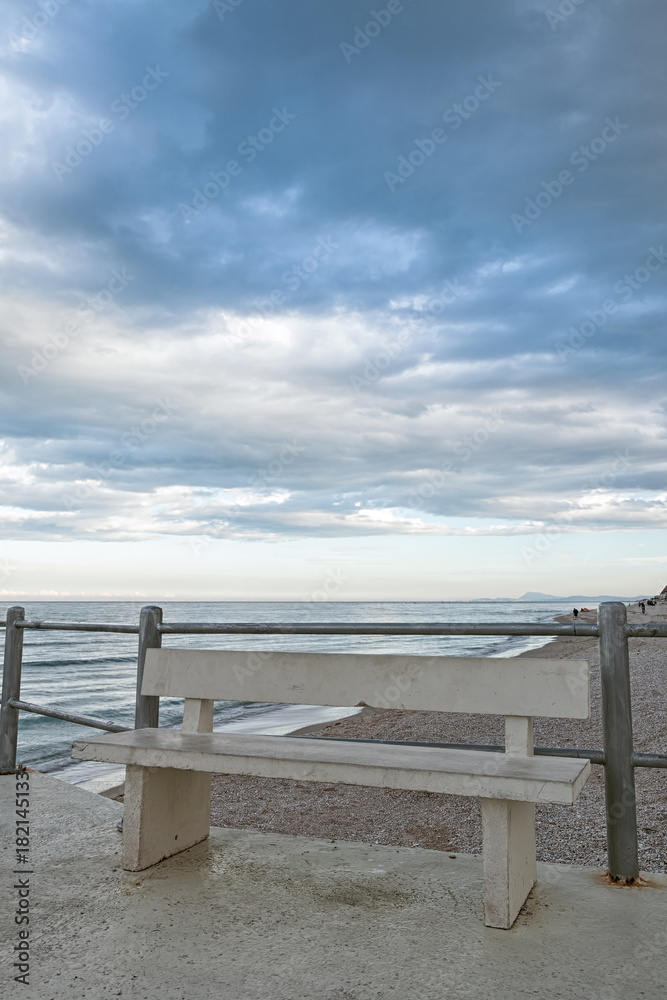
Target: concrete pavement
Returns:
[252, 916]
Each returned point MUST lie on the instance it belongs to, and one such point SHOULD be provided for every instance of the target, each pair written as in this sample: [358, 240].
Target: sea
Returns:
[95, 673]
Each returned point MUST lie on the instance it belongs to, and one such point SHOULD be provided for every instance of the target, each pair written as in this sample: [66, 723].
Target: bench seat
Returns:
[428, 769]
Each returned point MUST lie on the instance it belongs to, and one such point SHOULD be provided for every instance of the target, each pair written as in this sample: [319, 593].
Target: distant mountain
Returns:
[536, 596]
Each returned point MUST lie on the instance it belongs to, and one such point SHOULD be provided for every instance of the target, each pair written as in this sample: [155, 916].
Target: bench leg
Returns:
[166, 811]
[510, 868]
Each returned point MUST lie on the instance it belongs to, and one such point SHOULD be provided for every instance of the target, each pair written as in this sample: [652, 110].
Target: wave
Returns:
[84, 661]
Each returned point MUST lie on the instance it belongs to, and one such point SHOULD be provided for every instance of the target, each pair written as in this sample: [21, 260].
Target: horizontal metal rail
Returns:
[580, 629]
[79, 626]
[374, 628]
[649, 760]
[646, 631]
[325, 628]
[81, 720]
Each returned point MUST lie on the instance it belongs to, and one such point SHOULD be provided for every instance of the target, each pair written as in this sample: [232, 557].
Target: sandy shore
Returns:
[449, 823]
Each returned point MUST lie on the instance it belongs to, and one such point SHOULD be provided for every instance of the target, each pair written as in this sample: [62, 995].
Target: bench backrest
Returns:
[520, 686]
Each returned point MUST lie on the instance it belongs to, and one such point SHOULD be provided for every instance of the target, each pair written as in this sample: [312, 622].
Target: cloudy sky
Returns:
[325, 298]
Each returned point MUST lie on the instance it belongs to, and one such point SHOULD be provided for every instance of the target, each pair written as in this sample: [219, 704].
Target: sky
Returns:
[329, 300]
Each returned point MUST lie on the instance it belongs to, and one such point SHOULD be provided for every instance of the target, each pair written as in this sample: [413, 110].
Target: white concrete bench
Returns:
[167, 788]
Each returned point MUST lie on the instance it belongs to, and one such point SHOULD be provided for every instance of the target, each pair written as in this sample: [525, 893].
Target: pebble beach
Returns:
[569, 835]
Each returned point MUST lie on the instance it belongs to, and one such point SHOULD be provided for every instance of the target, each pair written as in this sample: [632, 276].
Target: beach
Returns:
[574, 834]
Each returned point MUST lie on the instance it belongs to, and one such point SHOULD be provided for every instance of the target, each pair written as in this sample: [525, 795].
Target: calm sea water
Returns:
[95, 673]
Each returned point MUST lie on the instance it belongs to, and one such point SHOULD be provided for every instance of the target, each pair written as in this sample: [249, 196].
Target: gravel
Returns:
[565, 834]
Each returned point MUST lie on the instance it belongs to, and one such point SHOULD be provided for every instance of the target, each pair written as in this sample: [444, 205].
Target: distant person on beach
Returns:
[575, 612]
[643, 607]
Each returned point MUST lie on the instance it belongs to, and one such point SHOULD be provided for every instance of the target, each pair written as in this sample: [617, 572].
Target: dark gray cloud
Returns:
[434, 267]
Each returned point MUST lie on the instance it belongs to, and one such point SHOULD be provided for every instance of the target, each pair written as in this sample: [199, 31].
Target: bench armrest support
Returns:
[197, 716]
[519, 735]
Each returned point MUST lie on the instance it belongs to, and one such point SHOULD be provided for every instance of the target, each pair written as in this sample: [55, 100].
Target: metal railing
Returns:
[612, 630]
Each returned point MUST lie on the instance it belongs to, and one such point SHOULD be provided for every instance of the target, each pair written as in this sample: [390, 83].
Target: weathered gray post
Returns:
[150, 637]
[619, 772]
[11, 690]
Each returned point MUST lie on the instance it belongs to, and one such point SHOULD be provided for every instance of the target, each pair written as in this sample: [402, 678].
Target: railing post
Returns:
[150, 637]
[617, 732]
[11, 689]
